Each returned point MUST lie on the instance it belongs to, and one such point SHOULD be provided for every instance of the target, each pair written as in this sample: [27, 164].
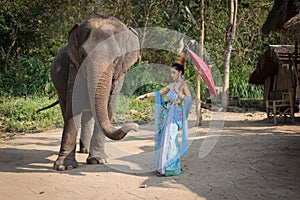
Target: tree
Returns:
[230, 33]
[201, 44]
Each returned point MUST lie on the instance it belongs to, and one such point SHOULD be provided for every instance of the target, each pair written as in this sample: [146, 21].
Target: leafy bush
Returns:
[26, 77]
[129, 109]
[239, 81]
[33, 32]
[18, 115]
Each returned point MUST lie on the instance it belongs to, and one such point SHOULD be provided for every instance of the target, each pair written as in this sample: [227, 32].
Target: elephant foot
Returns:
[62, 164]
[83, 150]
[95, 160]
[82, 147]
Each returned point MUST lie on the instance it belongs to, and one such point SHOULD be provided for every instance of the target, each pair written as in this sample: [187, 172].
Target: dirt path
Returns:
[251, 159]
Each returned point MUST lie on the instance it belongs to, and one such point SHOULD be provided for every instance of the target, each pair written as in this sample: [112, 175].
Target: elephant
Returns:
[86, 128]
[88, 74]
[87, 124]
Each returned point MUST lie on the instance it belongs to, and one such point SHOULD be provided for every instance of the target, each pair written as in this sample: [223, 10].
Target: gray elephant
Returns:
[86, 128]
[88, 74]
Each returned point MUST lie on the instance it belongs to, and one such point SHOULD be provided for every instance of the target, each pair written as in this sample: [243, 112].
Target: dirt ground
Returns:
[247, 158]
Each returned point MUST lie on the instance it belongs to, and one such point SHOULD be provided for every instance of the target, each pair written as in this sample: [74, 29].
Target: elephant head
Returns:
[106, 48]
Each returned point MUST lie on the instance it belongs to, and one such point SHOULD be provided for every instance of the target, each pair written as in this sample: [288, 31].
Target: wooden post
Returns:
[198, 85]
[296, 74]
[201, 42]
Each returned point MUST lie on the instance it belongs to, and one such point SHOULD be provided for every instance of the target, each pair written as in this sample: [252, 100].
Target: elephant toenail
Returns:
[70, 167]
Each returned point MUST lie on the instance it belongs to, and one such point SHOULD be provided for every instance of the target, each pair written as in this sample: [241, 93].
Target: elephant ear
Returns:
[77, 37]
[132, 49]
[73, 46]
[128, 45]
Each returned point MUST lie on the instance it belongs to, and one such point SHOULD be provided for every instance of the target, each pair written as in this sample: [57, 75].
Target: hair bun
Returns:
[180, 55]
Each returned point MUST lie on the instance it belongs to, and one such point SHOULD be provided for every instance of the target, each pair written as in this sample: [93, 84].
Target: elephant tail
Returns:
[49, 106]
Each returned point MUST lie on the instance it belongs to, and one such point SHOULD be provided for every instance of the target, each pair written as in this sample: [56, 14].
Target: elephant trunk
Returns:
[102, 95]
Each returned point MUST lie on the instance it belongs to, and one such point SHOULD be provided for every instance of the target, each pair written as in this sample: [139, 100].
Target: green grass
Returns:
[18, 115]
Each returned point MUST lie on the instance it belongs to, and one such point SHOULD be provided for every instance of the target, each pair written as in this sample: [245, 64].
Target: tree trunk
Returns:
[201, 44]
[198, 85]
[7, 56]
[230, 33]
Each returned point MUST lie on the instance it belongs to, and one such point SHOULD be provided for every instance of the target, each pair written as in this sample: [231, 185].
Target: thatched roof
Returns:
[276, 17]
[282, 11]
[292, 28]
[276, 56]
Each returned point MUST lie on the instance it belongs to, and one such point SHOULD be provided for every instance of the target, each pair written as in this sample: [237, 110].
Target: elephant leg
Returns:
[97, 154]
[62, 104]
[117, 86]
[87, 125]
[66, 158]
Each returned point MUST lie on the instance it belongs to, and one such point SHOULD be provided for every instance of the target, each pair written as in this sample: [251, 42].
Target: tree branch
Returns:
[192, 18]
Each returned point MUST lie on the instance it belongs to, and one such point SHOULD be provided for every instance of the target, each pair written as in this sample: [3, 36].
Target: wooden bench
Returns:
[280, 104]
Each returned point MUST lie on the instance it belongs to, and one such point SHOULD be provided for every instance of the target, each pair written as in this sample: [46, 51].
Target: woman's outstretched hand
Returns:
[141, 97]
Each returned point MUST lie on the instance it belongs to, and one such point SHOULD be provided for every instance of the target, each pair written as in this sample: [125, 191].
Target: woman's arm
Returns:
[184, 91]
[152, 94]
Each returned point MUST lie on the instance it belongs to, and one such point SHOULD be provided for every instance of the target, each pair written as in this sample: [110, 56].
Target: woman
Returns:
[170, 117]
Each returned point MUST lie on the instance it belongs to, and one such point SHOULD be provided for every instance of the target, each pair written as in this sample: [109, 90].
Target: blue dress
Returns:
[169, 119]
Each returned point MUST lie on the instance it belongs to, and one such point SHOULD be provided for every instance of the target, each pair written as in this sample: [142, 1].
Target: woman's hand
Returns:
[141, 97]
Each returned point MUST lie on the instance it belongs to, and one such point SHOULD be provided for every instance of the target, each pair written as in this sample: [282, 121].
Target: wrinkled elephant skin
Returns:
[88, 74]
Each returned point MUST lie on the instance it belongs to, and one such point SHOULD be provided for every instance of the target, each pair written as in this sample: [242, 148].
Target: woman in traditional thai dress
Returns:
[171, 117]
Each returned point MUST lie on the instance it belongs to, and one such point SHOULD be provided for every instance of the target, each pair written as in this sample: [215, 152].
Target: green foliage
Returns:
[33, 31]
[26, 77]
[143, 77]
[18, 115]
[130, 109]
[239, 85]
[38, 29]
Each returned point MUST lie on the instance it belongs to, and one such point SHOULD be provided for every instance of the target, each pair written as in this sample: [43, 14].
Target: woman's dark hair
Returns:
[178, 67]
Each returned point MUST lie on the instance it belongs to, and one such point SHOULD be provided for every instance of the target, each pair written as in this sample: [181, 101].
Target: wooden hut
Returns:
[277, 71]
[292, 28]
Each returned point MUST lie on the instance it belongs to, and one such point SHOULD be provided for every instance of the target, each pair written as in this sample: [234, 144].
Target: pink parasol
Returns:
[205, 72]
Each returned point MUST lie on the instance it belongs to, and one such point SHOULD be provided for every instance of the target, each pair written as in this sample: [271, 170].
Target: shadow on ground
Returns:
[251, 158]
